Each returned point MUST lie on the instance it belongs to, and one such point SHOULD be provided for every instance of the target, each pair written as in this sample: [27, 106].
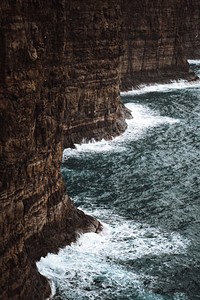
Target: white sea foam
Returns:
[100, 146]
[194, 61]
[143, 118]
[96, 262]
[167, 87]
[92, 146]
[128, 241]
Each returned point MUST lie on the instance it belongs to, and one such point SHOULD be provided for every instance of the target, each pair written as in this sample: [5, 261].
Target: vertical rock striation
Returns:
[154, 49]
[191, 28]
[93, 106]
[36, 216]
[60, 68]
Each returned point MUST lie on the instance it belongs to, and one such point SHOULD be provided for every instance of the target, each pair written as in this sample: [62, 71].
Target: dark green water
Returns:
[145, 187]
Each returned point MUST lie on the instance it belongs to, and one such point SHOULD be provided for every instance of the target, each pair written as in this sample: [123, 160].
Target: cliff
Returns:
[60, 68]
[191, 28]
[36, 73]
[154, 45]
[93, 105]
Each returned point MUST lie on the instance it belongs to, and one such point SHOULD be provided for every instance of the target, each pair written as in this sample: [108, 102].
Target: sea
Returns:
[144, 186]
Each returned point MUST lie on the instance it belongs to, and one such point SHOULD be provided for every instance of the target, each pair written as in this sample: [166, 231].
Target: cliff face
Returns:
[154, 48]
[191, 28]
[93, 106]
[37, 75]
[59, 83]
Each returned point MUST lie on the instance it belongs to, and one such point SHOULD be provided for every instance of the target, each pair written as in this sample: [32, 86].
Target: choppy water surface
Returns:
[145, 187]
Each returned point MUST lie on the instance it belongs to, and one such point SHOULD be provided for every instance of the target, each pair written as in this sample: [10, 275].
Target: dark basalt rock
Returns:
[191, 28]
[37, 69]
[93, 105]
[158, 36]
[60, 69]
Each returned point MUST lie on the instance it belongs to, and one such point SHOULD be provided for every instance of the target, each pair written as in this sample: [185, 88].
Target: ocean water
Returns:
[144, 186]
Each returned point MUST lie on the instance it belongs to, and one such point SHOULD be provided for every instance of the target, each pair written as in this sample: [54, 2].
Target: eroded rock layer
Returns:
[154, 48]
[93, 106]
[38, 79]
[59, 83]
[191, 28]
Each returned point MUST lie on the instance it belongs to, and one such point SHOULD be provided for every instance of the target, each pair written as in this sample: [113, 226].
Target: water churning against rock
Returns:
[145, 187]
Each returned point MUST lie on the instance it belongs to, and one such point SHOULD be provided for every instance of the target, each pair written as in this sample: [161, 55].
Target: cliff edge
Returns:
[61, 64]
[36, 215]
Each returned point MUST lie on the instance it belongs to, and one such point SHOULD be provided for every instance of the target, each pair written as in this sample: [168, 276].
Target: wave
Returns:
[194, 61]
[167, 87]
[92, 146]
[96, 261]
[143, 119]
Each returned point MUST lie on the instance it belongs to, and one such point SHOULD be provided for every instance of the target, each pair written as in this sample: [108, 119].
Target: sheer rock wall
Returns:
[93, 106]
[60, 71]
[39, 88]
[154, 47]
[191, 28]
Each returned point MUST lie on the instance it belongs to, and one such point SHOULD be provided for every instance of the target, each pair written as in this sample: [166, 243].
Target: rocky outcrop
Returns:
[154, 48]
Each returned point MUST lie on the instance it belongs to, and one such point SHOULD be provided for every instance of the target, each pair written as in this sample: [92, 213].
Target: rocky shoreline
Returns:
[62, 64]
